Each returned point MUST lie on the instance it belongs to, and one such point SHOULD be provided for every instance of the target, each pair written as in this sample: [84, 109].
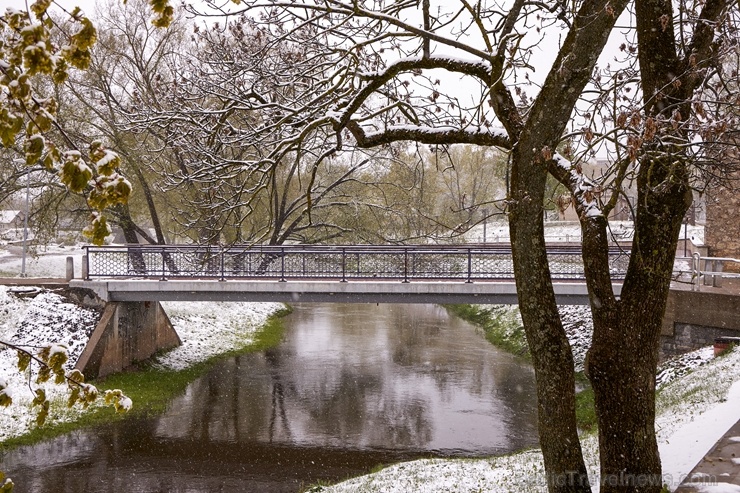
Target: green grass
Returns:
[585, 410]
[503, 329]
[500, 325]
[151, 389]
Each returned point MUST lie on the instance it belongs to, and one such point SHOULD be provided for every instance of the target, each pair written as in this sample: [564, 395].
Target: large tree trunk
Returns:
[137, 265]
[623, 358]
[551, 354]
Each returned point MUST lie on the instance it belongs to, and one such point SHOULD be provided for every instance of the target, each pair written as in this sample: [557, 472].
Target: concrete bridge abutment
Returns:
[127, 333]
[695, 319]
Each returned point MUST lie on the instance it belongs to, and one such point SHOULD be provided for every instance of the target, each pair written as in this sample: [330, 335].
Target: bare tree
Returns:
[128, 66]
[244, 189]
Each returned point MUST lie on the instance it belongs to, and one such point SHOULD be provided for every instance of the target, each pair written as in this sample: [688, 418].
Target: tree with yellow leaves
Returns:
[37, 51]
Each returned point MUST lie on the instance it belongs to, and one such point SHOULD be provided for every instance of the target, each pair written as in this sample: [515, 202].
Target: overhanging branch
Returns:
[428, 135]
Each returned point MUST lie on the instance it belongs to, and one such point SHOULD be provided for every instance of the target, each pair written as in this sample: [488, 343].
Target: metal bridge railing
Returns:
[321, 262]
[710, 271]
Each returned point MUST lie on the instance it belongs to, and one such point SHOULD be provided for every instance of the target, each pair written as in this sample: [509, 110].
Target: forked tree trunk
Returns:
[551, 354]
[622, 361]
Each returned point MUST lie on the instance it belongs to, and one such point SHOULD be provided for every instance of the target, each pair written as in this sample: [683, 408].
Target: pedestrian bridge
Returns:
[133, 279]
[478, 274]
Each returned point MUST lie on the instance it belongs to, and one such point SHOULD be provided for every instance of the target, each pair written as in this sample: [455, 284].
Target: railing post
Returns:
[282, 265]
[717, 268]
[344, 265]
[708, 267]
[164, 265]
[696, 272]
[70, 268]
[405, 265]
[85, 269]
[470, 265]
[223, 255]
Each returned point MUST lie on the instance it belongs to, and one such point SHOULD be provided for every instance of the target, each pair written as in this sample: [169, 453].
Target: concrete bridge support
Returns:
[128, 332]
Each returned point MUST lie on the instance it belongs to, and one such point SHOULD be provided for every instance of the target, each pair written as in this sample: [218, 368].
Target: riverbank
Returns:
[696, 392]
[35, 318]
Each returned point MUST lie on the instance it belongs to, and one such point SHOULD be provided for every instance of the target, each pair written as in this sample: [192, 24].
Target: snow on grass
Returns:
[41, 261]
[680, 365]
[209, 329]
[46, 319]
[579, 328]
[695, 410]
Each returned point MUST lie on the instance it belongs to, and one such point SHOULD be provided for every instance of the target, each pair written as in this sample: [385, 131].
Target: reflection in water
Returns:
[351, 386]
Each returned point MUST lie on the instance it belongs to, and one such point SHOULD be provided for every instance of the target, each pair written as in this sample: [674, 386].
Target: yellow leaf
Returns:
[40, 398]
[76, 376]
[43, 353]
[75, 173]
[41, 417]
[40, 7]
[74, 396]
[58, 356]
[5, 400]
[7, 486]
[24, 359]
[34, 147]
[97, 231]
[86, 36]
[44, 374]
[36, 59]
[164, 10]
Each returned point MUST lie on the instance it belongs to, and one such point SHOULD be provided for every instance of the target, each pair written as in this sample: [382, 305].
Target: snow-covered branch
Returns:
[429, 135]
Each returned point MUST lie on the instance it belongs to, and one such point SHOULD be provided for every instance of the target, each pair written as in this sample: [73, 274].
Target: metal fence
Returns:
[321, 262]
[710, 271]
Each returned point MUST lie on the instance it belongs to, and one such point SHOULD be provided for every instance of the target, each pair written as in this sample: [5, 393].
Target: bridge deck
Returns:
[489, 292]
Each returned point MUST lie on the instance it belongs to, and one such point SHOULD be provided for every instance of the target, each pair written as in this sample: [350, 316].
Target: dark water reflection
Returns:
[350, 387]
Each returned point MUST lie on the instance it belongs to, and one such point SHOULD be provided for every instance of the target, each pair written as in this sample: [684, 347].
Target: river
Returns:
[350, 387]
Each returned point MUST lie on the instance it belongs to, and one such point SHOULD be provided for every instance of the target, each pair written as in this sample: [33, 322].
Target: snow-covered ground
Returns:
[570, 231]
[698, 400]
[41, 261]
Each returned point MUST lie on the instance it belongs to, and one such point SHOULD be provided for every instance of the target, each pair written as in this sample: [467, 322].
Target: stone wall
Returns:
[722, 227]
[688, 337]
[693, 319]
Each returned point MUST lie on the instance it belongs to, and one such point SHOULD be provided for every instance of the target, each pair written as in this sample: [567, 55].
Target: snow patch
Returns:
[716, 488]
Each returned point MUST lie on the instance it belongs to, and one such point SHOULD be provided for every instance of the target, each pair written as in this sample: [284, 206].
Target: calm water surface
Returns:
[350, 387]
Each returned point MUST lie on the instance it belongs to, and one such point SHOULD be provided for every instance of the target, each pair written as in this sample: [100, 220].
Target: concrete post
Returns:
[84, 271]
[70, 268]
